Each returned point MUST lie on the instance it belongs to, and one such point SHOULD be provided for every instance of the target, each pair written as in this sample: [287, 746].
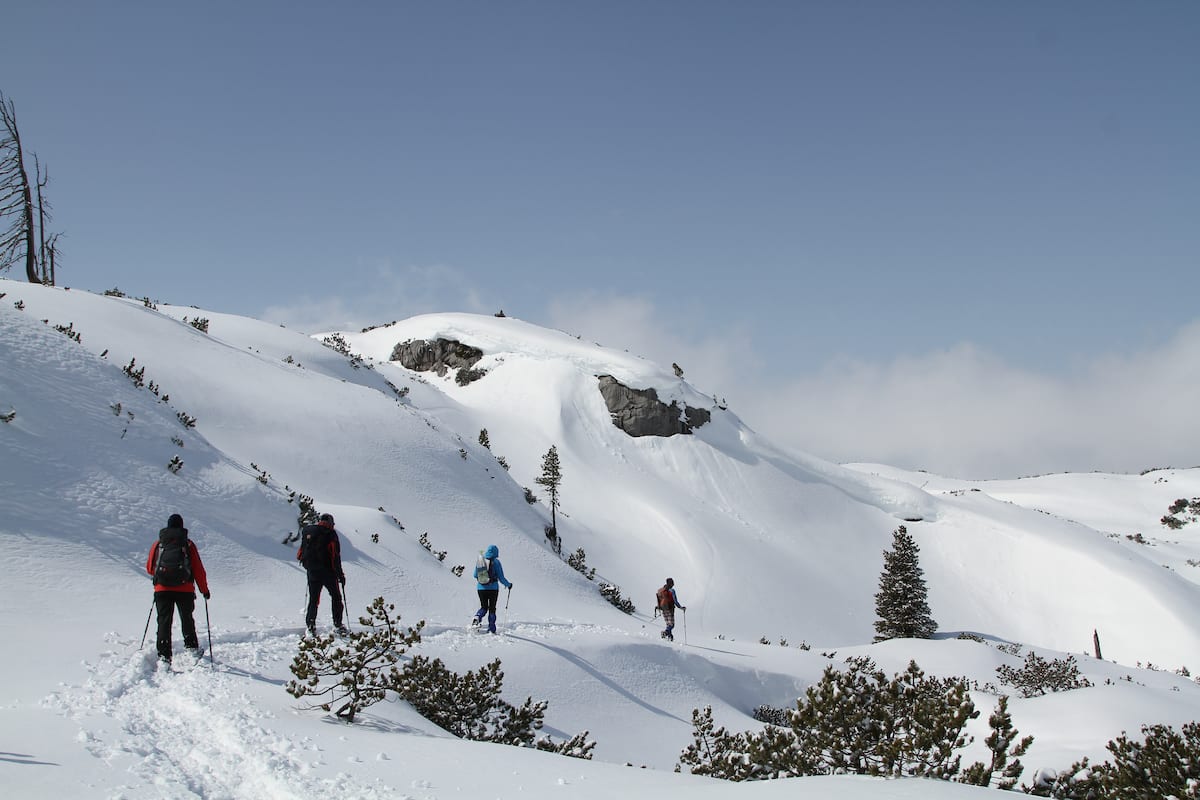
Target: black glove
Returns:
[206, 595]
[342, 580]
[510, 587]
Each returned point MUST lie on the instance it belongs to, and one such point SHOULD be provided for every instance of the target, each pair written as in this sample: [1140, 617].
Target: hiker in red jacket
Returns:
[177, 570]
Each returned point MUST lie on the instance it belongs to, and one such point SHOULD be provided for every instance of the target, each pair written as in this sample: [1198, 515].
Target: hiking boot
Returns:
[341, 629]
[311, 631]
[475, 621]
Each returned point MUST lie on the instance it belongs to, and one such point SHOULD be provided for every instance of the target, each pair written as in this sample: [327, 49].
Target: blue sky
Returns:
[923, 233]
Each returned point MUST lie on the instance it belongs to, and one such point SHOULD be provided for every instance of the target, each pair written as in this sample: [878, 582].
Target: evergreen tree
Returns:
[484, 440]
[902, 603]
[1000, 742]
[551, 479]
[356, 673]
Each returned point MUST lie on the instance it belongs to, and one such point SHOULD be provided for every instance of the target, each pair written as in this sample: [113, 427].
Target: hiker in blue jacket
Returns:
[489, 590]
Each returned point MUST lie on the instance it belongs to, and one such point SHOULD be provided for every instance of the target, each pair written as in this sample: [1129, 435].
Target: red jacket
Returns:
[199, 577]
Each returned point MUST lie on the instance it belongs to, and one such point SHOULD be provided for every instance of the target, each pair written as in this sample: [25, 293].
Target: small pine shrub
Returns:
[138, 376]
[465, 376]
[855, 721]
[69, 331]
[470, 707]
[1181, 512]
[612, 594]
[578, 562]
[199, 323]
[175, 464]
[338, 343]
[530, 497]
[186, 420]
[355, 674]
[10, 416]
[771, 715]
[1039, 676]
[1164, 764]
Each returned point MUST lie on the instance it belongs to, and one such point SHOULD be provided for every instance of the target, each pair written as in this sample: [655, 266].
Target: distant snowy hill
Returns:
[762, 542]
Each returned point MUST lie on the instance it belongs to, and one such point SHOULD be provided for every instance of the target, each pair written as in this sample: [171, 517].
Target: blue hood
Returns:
[491, 552]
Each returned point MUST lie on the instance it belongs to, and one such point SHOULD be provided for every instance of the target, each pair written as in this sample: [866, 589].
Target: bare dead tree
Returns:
[20, 238]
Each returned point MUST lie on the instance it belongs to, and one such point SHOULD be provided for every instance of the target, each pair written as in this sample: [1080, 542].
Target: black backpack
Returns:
[174, 567]
[314, 548]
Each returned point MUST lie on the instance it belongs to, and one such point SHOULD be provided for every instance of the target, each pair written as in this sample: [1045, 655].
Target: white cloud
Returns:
[711, 356]
[962, 411]
[385, 294]
[967, 413]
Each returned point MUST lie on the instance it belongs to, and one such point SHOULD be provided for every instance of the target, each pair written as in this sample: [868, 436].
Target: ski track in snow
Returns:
[199, 723]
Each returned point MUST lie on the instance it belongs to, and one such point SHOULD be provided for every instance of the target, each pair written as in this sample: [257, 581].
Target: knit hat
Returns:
[175, 521]
[326, 518]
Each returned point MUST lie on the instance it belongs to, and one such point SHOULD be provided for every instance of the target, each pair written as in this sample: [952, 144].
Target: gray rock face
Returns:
[440, 356]
[639, 412]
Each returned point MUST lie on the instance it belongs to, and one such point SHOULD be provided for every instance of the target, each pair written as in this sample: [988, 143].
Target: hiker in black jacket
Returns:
[321, 554]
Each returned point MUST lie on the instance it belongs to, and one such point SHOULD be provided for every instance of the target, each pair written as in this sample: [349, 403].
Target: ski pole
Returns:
[685, 627]
[345, 604]
[208, 623]
[147, 630]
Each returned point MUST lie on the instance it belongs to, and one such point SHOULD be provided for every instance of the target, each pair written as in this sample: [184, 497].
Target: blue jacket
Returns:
[493, 553]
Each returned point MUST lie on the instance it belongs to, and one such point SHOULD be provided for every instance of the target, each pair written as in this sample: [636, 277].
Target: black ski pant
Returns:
[487, 605]
[166, 603]
[329, 582]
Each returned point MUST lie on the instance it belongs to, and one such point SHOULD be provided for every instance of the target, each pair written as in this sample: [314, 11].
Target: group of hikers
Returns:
[175, 565]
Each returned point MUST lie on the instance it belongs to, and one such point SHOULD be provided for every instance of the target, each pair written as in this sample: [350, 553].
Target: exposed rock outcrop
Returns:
[440, 356]
[639, 412]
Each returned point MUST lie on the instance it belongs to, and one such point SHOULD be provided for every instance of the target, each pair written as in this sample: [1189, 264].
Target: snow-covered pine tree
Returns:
[355, 673]
[551, 479]
[902, 603]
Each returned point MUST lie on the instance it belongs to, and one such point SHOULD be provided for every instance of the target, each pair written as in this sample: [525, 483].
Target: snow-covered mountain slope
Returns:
[761, 541]
[722, 511]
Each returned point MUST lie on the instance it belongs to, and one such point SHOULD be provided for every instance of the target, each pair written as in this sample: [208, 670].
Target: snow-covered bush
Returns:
[859, 721]
[1164, 764]
[1181, 512]
[578, 562]
[470, 707]
[1039, 676]
[357, 672]
[612, 594]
